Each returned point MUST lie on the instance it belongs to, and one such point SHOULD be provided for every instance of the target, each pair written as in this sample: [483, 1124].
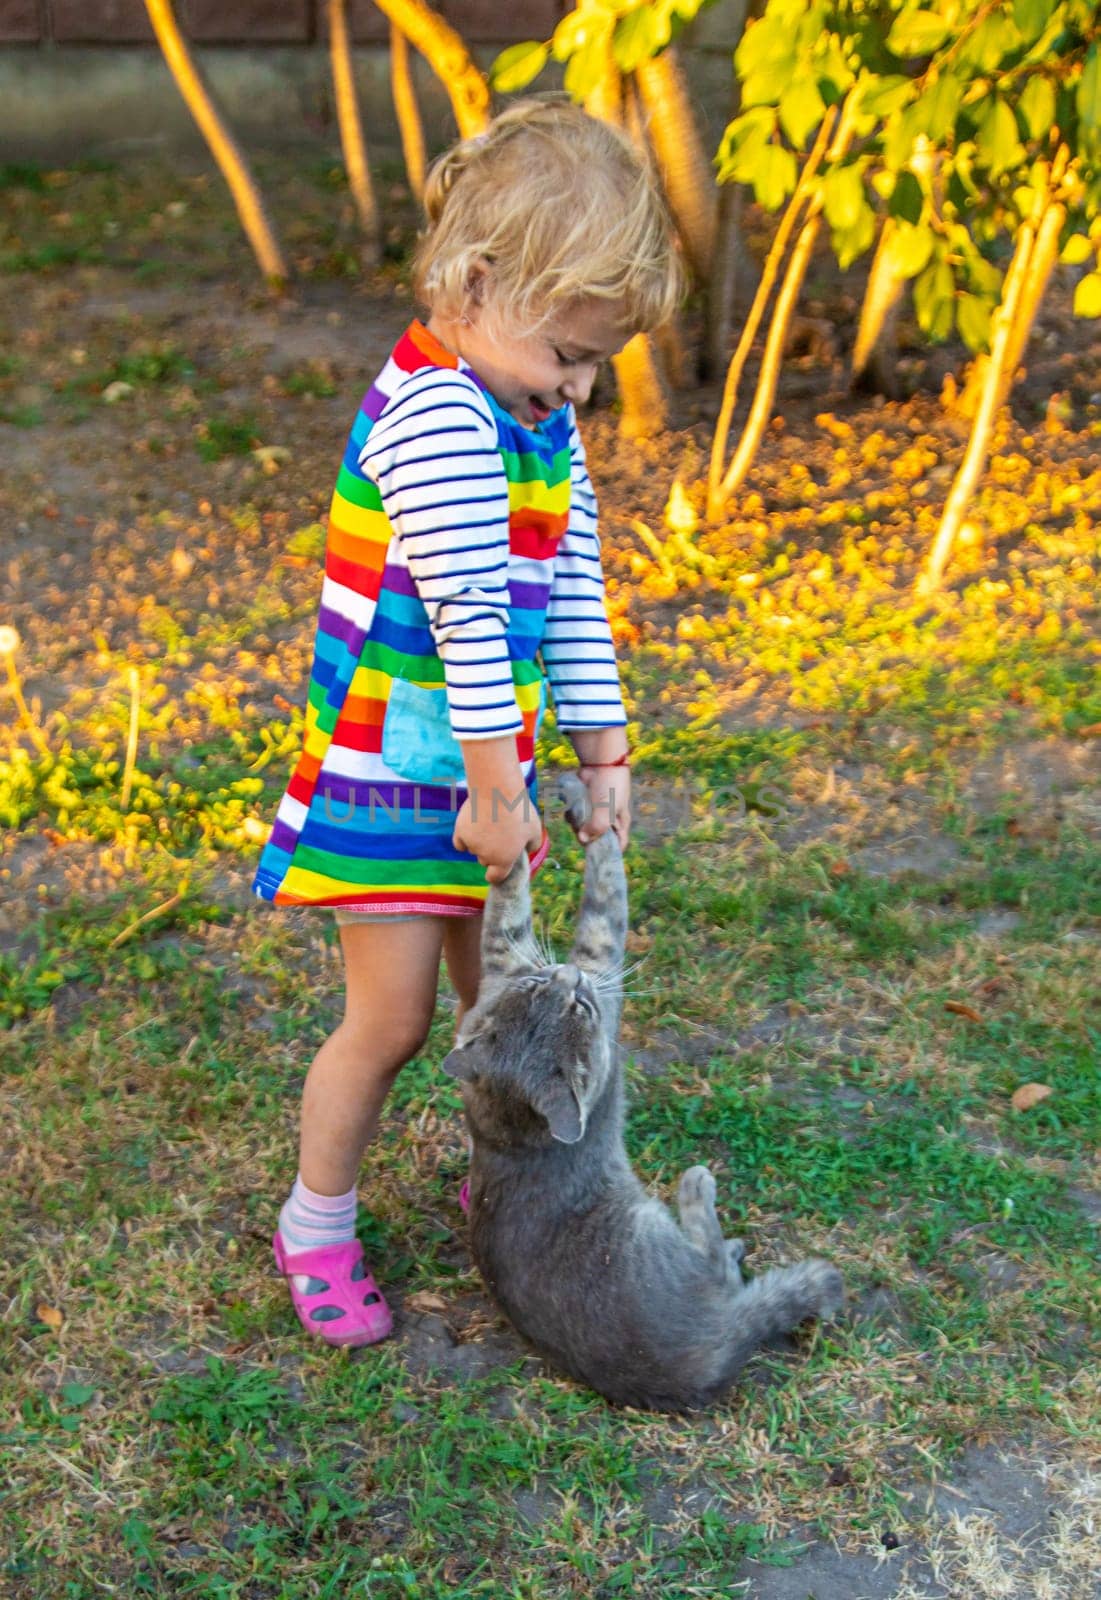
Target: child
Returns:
[462, 565]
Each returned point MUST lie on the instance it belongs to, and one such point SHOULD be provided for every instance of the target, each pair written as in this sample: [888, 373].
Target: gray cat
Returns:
[589, 1268]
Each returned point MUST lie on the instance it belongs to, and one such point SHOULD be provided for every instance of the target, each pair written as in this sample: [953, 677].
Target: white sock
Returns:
[309, 1220]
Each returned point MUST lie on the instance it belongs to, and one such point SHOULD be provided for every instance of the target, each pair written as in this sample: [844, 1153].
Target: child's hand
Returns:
[486, 826]
[609, 803]
[498, 840]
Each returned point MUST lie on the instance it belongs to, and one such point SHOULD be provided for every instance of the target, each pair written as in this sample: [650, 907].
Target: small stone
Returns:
[119, 390]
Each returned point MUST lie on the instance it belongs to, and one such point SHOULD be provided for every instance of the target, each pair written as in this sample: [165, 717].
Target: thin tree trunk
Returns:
[1029, 271]
[449, 59]
[733, 274]
[1044, 256]
[978, 445]
[761, 409]
[786, 301]
[641, 390]
[223, 147]
[351, 129]
[407, 111]
[878, 319]
[722, 287]
[644, 409]
[1045, 253]
[685, 170]
[716, 489]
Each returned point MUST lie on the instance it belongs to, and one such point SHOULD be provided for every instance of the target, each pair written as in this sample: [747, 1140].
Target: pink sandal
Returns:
[341, 1302]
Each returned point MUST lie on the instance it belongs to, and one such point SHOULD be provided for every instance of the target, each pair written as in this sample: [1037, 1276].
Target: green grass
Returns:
[267, 1465]
[312, 381]
[221, 436]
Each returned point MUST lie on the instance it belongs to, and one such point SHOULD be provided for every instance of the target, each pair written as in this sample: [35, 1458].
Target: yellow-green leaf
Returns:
[515, 67]
[801, 110]
[640, 35]
[585, 69]
[1089, 93]
[775, 176]
[1031, 17]
[909, 249]
[1087, 296]
[1076, 250]
[843, 197]
[999, 146]
[1037, 106]
[973, 318]
[918, 33]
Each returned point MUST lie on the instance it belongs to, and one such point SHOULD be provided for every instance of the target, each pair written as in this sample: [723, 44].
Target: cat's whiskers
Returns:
[613, 976]
[524, 949]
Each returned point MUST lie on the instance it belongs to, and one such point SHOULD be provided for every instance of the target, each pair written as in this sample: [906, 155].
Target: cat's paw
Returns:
[696, 1190]
[575, 798]
[736, 1250]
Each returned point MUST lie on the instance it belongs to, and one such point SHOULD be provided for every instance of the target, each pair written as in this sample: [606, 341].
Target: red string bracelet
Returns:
[620, 761]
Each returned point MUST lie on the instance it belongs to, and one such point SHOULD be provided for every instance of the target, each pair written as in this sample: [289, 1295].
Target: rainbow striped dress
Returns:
[462, 575]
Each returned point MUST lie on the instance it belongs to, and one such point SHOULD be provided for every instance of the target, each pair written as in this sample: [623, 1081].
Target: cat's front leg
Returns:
[601, 936]
[507, 943]
[700, 1224]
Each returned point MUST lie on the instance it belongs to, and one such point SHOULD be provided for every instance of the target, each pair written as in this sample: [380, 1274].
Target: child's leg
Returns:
[462, 948]
[391, 976]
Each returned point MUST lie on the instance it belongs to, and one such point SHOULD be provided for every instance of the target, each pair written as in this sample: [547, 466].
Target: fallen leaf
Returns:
[50, 1315]
[1029, 1095]
[425, 1301]
[959, 1009]
[839, 869]
[1090, 731]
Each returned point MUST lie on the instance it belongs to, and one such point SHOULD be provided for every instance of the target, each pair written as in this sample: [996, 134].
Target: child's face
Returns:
[531, 375]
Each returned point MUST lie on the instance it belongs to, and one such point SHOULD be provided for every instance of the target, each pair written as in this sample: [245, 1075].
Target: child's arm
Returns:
[608, 780]
[434, 456]
[580, 659]
[497, 821]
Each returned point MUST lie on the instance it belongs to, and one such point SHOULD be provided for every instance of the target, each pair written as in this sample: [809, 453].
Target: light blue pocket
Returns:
[417, 742]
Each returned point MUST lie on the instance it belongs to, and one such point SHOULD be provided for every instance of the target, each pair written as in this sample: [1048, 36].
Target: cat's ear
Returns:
[559, 1103]
[464, 1062]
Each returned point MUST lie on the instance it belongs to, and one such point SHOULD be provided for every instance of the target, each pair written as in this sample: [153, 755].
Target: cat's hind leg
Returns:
[700, 1224]
[735, 1255]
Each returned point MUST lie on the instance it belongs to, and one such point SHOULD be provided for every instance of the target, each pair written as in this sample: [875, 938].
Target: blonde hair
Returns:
[563, 209]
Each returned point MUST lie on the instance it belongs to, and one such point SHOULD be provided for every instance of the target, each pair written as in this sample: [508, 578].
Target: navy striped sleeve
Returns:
[577, 648]
[435, 458]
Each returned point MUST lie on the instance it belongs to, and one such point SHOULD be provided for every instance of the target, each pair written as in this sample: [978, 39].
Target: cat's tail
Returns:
[778, 1301]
